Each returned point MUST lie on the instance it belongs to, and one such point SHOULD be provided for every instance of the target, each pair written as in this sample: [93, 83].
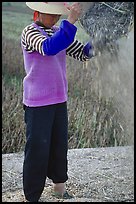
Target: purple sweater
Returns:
[45, 82]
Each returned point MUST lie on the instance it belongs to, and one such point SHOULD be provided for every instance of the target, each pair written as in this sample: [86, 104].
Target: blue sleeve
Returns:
[61, 39]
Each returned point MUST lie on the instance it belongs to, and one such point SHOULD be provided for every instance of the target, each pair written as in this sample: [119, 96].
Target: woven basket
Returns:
[106, 22]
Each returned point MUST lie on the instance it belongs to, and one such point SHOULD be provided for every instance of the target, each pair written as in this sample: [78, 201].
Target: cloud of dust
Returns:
[115, 78]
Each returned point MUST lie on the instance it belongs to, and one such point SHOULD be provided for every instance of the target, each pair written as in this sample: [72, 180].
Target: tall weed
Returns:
[93, 120]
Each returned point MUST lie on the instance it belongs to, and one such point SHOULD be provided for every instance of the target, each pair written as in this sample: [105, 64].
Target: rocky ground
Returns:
[95, 175]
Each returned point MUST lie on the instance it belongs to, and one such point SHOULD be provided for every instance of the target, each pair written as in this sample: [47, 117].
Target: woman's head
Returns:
[48, 13]
[48, 20]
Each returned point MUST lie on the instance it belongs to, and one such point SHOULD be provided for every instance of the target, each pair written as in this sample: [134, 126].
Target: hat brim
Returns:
[42, 7]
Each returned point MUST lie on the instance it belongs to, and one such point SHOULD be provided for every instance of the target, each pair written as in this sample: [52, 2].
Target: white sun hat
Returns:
[49, 7]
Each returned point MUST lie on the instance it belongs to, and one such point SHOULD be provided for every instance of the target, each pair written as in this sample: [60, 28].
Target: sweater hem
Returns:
[43, 103]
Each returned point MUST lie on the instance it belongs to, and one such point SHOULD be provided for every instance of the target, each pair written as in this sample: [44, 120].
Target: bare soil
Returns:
[95, 175]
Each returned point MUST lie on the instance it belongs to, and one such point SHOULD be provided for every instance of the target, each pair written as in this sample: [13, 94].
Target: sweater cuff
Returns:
[88, 50]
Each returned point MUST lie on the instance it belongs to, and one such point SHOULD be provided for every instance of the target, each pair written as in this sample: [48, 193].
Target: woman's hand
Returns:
[75, 11]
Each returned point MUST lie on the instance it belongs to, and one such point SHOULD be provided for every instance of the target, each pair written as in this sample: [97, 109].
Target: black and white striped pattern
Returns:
[32, 40]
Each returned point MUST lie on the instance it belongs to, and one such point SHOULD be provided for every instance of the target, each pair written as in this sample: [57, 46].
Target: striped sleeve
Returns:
[32, 40]
[75, 50]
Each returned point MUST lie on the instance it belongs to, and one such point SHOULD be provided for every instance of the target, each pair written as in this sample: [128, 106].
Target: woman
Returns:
[45, 87]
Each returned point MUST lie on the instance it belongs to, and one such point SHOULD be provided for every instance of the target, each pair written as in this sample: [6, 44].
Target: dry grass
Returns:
[12, 118]
[93, 119]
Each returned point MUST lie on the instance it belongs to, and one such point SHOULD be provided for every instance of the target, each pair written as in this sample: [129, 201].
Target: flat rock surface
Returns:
[95, 175]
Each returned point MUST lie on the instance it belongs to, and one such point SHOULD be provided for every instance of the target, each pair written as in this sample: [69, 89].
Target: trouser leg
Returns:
[38, 133]
[57, 168]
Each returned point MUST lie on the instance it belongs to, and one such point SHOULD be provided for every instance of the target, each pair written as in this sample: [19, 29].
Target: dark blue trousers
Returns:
[46, 148]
